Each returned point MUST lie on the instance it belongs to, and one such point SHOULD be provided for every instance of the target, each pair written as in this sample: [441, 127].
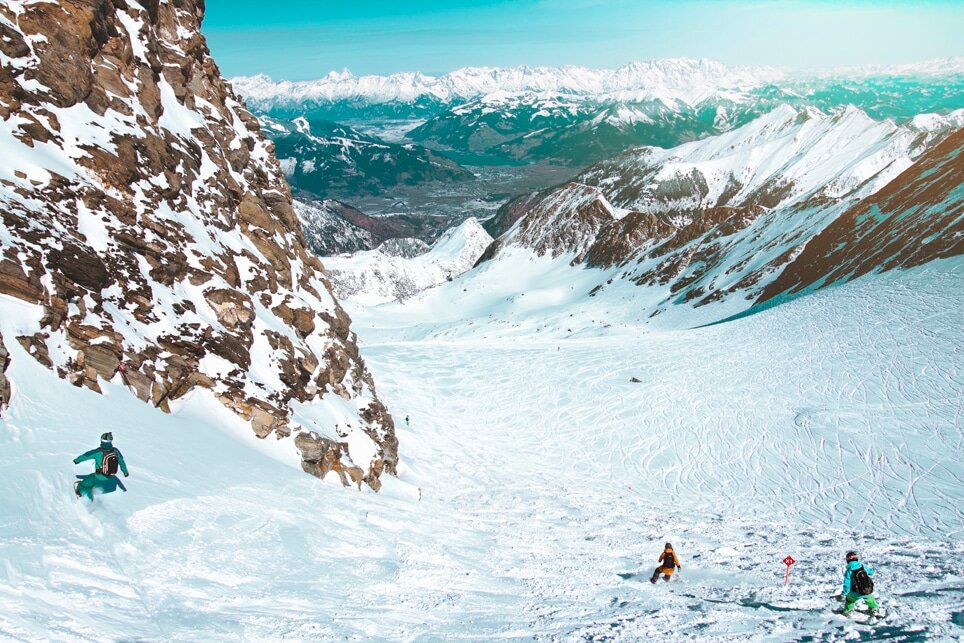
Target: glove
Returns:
[839, 597]
[127, 475]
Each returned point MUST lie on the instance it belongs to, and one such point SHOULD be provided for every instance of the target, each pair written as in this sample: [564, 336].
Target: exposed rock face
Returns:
[4, 383]
[725, 216]
[144, 211]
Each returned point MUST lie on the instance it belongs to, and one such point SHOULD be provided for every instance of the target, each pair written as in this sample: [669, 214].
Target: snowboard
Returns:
[863, 615]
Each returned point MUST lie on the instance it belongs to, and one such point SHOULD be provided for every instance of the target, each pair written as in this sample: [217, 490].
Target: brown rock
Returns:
[103, 359]
[16, 283]
[79, 264]
[233, 308]
[4, 363]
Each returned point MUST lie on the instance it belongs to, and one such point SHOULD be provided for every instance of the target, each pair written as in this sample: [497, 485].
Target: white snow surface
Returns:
[374, 276]
[536, 486]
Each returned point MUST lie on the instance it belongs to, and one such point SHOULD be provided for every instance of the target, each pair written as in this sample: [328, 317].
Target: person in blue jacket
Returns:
[857, 585]
[107, 459]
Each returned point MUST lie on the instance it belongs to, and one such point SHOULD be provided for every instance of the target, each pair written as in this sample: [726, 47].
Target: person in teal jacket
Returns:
[852, 591]
[107, 459]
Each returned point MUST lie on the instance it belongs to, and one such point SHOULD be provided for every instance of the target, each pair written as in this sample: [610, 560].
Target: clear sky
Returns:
[305, 39]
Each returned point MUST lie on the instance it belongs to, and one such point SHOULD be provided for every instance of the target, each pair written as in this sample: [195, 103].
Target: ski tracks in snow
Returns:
[767, 437]
[548, 483]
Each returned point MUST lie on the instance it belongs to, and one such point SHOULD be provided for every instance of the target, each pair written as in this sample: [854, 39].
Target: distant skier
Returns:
[107, 459]
[857, 585]
[668, 563]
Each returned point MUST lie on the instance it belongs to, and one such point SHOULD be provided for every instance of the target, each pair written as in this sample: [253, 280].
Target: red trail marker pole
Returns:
[787, 561]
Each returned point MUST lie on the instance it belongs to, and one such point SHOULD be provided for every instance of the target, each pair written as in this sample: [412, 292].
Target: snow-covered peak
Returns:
[948, 66]
[671, 79]
[782, 157]
[938, 122]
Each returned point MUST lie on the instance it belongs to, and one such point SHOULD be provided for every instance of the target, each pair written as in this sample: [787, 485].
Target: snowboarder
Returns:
[104, 479]
[668, 563]
[857, 585]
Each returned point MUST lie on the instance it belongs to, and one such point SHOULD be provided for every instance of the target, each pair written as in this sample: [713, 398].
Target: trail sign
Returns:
[788, 561]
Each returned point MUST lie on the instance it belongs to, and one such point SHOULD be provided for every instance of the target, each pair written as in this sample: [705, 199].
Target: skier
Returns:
[857, 585]
[104, 479]
[668, 562]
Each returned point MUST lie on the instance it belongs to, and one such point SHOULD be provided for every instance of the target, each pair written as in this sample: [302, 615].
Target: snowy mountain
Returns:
[389, 273]
[554, 435]
[324, 158]
[682, 79]
[720, 219]
[577, 116]
[148, 237]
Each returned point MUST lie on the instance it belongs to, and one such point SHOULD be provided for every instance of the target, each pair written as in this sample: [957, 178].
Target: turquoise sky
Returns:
[304, 39]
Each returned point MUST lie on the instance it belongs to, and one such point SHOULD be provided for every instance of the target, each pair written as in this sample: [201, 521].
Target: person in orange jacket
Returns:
[668, 563]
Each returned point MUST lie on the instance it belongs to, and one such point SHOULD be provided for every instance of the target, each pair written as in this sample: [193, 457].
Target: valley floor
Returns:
[537, 487]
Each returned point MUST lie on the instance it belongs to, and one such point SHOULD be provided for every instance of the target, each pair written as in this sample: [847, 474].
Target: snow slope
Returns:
[534, 477]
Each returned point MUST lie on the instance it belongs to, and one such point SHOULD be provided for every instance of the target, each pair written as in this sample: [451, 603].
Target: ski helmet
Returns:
[668, 546]
[107, 437]
[851, 556]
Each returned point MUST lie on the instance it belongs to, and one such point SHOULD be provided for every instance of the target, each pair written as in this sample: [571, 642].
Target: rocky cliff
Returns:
[147, 216]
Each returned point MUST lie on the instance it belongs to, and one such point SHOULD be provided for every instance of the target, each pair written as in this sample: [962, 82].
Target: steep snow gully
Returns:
[537, 487]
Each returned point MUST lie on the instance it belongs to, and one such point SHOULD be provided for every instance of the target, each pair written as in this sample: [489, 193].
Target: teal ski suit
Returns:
[853, 597]
[98, 481]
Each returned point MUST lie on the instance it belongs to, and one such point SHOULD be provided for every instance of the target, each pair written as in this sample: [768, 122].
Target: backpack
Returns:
[669, 560]
[860, 582]
[108, 463]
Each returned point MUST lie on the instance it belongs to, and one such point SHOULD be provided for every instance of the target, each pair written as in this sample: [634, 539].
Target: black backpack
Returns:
[860, 582]
[669, 560]
[108, 463]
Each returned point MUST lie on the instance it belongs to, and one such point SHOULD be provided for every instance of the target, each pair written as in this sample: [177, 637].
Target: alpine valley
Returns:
[451, 357]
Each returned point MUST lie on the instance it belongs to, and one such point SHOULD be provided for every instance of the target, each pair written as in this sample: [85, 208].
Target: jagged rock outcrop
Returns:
[145, 213]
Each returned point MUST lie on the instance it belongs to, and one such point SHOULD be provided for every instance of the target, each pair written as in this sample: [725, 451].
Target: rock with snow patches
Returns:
[329, 230]
[146, 220]
[4, 383]
[332, 227]
[377, 276]
[406, 247]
